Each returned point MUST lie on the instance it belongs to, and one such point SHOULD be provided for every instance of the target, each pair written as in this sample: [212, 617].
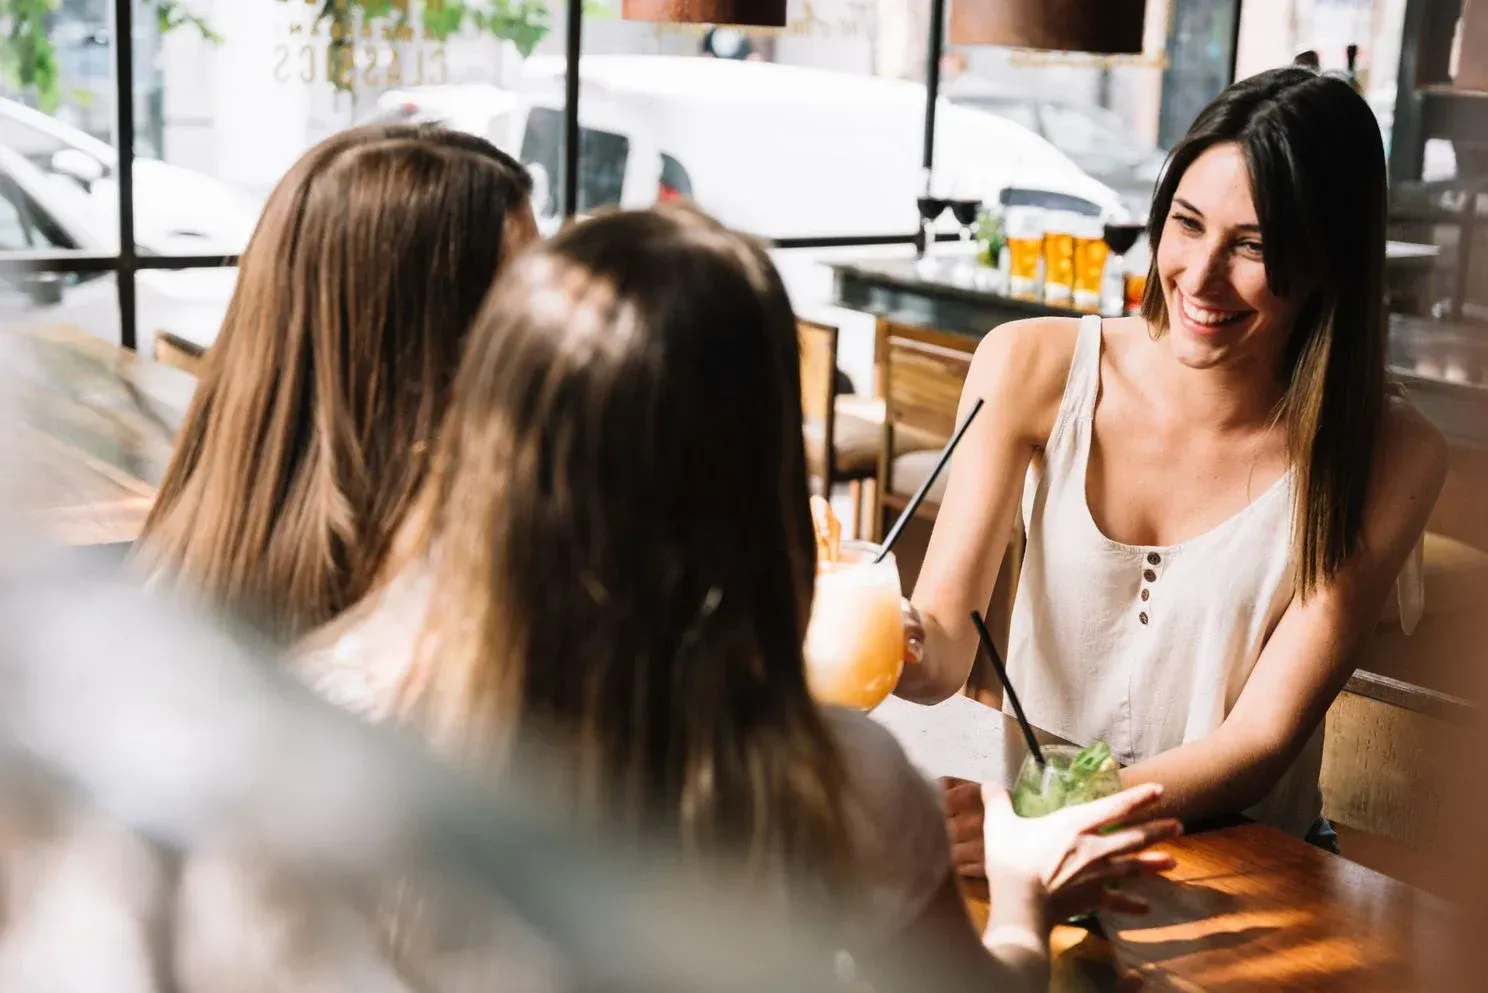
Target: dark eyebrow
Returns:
[1254, 228]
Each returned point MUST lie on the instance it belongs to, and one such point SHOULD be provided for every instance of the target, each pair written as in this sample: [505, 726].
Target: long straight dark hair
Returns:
[1316, 163]
[622, 544]
[315, 418]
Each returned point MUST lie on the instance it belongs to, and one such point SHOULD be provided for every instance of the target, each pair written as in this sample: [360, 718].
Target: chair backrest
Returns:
[922, 385]
[178, 352]
[818, 394]
[818, 368]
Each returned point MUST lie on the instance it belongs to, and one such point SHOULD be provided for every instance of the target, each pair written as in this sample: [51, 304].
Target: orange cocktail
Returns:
[855, 641]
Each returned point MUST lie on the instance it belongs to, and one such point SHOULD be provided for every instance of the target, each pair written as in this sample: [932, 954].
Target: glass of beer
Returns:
[1059, 258]
[1090, 264]
[1135, 284]
[1023, 228]
[855, 639]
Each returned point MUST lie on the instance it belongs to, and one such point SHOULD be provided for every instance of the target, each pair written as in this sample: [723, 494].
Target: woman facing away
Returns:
[1217, 494]
[311, 428]
[614, 555]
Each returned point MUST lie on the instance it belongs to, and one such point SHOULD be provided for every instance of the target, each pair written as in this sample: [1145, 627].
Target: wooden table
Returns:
[95, 425]
[1247, 908]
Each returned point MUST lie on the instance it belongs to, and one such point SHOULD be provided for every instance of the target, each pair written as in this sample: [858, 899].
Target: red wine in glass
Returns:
[965, 211]
[931, 207]
[1121, 237]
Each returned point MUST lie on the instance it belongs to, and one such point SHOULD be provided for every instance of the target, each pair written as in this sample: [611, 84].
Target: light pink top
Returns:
[1093, 660]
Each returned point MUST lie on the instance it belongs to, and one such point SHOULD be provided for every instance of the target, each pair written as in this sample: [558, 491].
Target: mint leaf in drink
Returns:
[1090, 759]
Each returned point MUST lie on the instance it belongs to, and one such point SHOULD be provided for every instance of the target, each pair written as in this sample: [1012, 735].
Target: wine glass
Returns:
[965, 211]
[1121, 236]
[931, 203]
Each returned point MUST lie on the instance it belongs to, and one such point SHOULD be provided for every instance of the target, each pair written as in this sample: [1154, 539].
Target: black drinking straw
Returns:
[981, 626]
[919, 497]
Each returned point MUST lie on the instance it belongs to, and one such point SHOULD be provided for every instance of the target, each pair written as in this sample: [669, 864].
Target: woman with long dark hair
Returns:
[1218, 494]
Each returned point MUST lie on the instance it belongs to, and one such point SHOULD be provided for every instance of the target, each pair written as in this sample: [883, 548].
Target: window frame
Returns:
[131, 260]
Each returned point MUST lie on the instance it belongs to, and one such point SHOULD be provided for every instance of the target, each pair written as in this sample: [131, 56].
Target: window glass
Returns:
[13, 237]
[812, 130]
[1023, 112]
[603, 153]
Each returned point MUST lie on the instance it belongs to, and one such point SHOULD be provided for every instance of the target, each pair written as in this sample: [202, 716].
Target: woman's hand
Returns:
[962, 801]
[1066, 854]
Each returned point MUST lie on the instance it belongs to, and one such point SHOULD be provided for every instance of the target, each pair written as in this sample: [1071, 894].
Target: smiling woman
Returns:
[1221, 491]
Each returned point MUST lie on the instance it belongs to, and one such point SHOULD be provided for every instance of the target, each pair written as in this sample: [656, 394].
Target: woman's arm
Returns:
[1019, 370]
[1311, 653]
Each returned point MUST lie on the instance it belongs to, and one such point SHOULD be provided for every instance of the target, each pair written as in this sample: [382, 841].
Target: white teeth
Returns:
[1209, 318]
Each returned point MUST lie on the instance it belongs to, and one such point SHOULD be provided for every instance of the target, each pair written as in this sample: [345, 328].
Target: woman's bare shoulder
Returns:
[1022, 366]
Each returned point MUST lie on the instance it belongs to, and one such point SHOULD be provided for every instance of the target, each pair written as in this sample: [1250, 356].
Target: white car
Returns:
[177, 211]
[478, 108]
[779, 150]
[39, 214]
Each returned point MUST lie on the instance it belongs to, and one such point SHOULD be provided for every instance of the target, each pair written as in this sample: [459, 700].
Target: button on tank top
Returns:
[1146, 647]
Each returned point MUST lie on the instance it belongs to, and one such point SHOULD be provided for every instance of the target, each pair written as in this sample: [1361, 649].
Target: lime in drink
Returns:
[1070, 775]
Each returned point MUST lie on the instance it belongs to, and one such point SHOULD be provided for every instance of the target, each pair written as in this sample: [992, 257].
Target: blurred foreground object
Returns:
[127, 721]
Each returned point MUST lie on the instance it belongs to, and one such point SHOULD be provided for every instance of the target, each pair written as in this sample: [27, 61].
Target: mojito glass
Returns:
[1070, 775]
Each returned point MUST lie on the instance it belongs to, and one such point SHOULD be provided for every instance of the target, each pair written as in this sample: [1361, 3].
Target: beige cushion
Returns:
[910, 469]
[858, 438]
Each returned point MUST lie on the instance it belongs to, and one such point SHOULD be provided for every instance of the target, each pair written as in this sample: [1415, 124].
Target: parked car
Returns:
[178, 211]
[776, 149]
[779, 150]
[478, 108]
[39, 214]
[1095, 138]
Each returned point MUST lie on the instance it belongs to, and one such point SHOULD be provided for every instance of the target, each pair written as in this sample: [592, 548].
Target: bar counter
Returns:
[1247, 908]
[1443, 366]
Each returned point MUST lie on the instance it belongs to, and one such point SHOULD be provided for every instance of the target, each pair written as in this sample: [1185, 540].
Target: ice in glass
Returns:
[1070, 775]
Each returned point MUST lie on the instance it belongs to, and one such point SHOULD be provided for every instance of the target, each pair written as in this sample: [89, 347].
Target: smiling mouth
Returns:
[1208, 317]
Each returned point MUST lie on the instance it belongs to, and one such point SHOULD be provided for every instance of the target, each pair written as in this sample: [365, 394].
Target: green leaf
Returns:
[1090, 759]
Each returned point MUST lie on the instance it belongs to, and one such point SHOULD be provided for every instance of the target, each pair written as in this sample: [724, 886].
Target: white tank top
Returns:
[1146, 647]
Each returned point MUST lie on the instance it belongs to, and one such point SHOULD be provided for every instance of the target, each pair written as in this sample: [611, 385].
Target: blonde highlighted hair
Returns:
[311, 429]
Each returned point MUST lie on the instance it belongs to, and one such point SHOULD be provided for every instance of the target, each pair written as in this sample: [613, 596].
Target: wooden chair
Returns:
[1392, 770]
[178, 352]
[1393, 738]
[922, 373]
[847, 426]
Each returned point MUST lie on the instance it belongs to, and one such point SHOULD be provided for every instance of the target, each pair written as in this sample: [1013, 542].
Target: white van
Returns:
[779, 150]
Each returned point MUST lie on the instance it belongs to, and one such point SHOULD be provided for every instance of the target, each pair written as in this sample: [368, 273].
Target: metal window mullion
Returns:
[936, 48]
[124, 139]
[571, 146]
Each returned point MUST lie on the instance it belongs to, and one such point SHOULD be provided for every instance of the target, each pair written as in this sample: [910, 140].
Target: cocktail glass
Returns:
[1069, 775]
[855, 641]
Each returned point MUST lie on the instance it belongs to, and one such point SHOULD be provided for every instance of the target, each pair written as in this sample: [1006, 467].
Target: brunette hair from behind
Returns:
[621, 543]
[313, 423]
[1317, 174]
